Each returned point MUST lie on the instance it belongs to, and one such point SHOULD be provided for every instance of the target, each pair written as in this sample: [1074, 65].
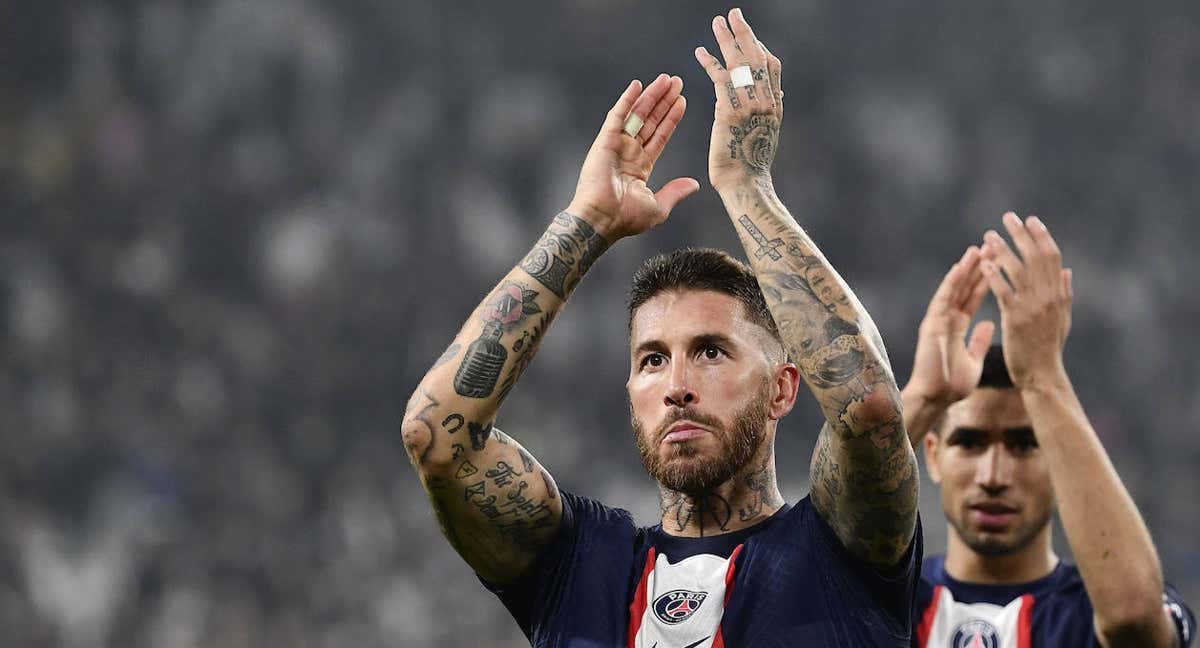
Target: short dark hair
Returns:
[994, 375]
[995, 372]
[701, 269]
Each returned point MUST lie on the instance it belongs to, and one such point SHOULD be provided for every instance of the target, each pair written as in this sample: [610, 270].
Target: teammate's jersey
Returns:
[787, 581]
[1051, 611]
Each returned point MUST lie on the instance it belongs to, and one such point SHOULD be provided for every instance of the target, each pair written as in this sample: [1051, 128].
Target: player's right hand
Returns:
[612, 194]
[946, 368]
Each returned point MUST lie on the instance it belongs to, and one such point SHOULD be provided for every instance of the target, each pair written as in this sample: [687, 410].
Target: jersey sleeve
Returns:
[865, 588]
[533, 598]
[1181, 615]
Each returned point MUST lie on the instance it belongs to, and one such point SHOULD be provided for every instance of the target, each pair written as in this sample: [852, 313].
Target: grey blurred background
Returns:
[234, 233]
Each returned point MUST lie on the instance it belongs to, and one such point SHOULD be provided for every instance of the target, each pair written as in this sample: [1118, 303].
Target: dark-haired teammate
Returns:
[710, 377]
[1007, 441]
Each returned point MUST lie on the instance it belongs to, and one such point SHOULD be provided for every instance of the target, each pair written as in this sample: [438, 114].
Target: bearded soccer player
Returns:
[1007, 441]
[730, 564]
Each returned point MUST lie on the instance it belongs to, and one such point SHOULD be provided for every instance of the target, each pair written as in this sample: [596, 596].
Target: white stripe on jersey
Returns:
[693, 591]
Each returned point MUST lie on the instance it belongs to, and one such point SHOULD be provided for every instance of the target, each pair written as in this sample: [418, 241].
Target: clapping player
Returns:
[717, 354]
[1007, 440]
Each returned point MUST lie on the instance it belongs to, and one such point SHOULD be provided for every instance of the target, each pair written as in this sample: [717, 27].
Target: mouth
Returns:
[992, 515]
[683, 431]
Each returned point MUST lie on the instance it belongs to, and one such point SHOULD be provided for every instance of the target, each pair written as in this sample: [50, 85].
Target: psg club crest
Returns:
[678, 606]
[975, 633]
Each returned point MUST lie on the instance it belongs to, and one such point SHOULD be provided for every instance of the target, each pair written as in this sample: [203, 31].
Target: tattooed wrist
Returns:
[564, 253]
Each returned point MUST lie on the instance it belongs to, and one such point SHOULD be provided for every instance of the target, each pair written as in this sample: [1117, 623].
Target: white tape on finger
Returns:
[741, 77]
[633, 124]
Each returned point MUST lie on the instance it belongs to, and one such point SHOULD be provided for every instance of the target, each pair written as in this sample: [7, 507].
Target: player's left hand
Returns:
[1035, 300]
[745, 133]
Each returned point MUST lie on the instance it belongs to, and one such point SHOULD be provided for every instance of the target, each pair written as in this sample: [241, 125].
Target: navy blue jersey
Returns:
[1051, 611]
[787, 581]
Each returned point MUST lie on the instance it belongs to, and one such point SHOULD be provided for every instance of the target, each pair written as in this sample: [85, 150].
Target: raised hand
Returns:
[612, 193]
[745, 134]
[946, 368]
[1035, 301]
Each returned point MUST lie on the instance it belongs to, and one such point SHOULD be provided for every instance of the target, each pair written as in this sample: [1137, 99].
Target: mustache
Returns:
[685, 414]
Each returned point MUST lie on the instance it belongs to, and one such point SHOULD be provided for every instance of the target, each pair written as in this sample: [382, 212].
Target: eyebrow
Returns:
[703, 339]
[1010, 434]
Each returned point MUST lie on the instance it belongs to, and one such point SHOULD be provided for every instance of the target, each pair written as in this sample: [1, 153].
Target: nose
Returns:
[679, 388]
[993, 472]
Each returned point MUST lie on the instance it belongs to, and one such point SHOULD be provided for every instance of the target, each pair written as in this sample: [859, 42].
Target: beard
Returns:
[686, 470]
[994, 544]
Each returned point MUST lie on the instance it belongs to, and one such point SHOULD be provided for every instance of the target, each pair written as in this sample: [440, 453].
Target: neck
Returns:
[1029, 563]
[747, 498]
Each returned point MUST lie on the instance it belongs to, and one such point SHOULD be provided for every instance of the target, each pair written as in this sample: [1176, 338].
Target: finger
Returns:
[1046, 245]
[978, 292]
[968, 273]
[775, 70]
[615, 119]
[644, 104]
[943, 297]
[981, 339]
[997, 284]
[731, 50]
[996, 249]
[1068, 287]
[666, 128]
[1020, 236]
[712, 65]
[673, 192]
[741, 29]
[660, 110]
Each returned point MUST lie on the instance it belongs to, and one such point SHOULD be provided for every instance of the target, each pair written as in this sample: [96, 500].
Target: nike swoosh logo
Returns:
[691, 645]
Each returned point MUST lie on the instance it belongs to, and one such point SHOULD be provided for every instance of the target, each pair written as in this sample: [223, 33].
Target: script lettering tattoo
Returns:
[485, 357]
[524, 522]
[564, 253]
[502, 474]
[473, 490]
[479, 433]
[754, 142]
[733, 98]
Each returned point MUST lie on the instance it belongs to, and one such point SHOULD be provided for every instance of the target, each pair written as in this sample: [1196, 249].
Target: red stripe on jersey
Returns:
[928, 617]
[638, 608]
[719, 641]
[1025, 622]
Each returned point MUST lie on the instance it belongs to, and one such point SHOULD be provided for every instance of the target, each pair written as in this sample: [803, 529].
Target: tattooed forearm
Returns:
[864, 472]
[869, 497]
[485, 357]
[564, 254]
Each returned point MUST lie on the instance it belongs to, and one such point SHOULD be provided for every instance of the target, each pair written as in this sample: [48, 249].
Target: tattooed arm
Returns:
[864, 478]
[496, 505]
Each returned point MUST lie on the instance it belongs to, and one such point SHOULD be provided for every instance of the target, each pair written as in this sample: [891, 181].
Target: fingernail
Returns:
[1037, 222]
[738, 12]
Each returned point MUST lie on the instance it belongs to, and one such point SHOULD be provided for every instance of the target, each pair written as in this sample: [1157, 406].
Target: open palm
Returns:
[613, 193]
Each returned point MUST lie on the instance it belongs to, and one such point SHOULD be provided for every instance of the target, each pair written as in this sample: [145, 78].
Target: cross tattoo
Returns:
[765, 248]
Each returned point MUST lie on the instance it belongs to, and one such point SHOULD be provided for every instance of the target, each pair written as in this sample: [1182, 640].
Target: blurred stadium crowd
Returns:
[234, 234]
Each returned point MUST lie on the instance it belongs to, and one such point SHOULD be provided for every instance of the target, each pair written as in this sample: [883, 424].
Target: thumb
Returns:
[981, 339]
[673, 192]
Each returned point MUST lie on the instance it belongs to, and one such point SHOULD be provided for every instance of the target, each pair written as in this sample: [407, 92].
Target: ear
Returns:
[783, 395]
[931, 442]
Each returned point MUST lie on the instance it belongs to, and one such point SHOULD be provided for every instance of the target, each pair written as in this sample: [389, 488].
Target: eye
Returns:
[652, 360]
[711, 352]
[1023, 446]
